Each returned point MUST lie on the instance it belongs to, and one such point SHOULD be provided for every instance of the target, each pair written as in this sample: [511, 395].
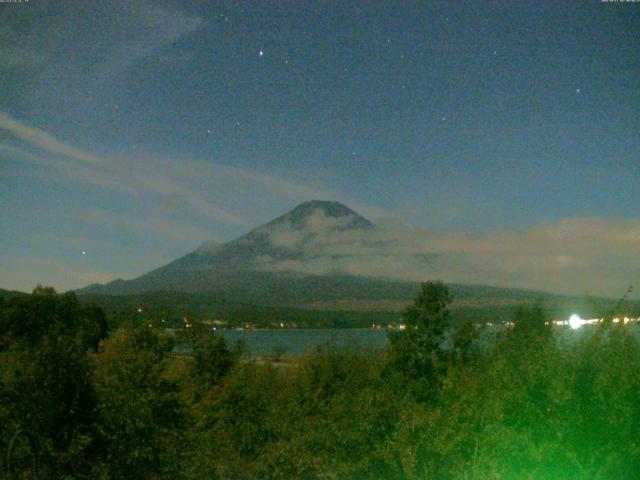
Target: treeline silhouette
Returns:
[78, 401]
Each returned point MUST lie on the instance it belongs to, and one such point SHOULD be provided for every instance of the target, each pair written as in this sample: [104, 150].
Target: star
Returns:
[84, 252]
[577, 90]
[209, 131]
[261, 53]
[444, 118]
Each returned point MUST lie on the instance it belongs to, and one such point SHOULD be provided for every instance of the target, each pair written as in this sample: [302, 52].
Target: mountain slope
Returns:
[237, 264]
[307, 257]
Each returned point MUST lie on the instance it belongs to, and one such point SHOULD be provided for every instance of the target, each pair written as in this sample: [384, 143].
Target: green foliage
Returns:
[212, 361]
[464, 338]
[416, 352]
[28, 320]
[45, 383]
[531, 324]
[234, 421]
[533, 402]
[139, 415]
[334, 419]
[532, 407]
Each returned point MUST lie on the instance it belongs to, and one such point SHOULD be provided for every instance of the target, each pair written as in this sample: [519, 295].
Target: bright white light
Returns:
[575, 321]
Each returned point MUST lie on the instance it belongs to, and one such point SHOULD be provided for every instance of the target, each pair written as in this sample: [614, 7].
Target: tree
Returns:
[212, 360]
[30, 319]
[140, 418]
[416, 351]
[45, 389]
[463, 338]
[234, 422]
[531, 324]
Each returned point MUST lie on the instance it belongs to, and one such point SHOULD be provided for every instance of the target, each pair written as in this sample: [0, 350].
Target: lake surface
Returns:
[294, 341]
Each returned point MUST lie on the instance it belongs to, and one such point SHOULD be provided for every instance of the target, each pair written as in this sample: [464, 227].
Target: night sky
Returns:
[132, 132]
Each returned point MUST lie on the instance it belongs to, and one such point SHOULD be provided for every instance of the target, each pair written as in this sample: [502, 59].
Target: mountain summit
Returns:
[300, 215]
[288, 234]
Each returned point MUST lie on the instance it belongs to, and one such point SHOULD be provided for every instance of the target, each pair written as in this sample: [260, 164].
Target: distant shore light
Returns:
[575, 321]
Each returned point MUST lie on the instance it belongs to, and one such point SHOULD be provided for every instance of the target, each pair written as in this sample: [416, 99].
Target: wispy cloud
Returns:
[145, 28]
[575, 255]
[168, 184]
[46, 35]
[121, 175]
[45, 141]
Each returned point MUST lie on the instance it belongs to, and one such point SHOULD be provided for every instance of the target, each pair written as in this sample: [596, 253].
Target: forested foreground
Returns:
[80, 401]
